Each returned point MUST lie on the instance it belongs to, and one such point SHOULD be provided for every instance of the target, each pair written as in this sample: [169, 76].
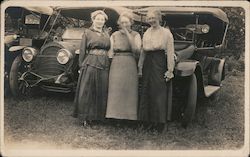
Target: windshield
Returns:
[208, 31]
[73, 34]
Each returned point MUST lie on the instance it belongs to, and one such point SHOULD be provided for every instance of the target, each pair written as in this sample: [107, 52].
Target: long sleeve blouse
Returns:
[158, 39]
[93, 39]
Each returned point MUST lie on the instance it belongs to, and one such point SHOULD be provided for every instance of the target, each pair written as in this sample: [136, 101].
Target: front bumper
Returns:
[56, 83]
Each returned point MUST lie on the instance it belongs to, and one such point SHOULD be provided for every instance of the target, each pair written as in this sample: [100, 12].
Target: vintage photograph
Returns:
[124, 77]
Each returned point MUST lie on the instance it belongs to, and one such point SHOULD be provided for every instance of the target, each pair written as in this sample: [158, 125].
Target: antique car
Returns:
[54, 66]
[199, 36]
[23, 26]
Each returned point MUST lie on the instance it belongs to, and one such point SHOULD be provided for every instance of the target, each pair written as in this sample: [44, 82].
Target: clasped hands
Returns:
[167, 76]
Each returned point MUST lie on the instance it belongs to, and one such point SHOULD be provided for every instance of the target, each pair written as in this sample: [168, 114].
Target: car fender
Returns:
[223, 69]
[16, 48]
[186, 68]
[218, 73]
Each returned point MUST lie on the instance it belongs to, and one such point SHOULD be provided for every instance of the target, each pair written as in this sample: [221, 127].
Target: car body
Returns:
[199, 35]
[22, 28]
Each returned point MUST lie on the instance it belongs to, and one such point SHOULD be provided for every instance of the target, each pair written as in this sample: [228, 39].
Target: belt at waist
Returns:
[154, 51]
[98, 52]
[123, 54]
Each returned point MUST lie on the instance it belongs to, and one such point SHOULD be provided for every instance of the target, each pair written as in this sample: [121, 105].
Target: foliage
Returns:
[236, 31]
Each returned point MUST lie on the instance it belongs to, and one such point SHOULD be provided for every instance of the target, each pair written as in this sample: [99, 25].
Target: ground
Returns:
[46, 122]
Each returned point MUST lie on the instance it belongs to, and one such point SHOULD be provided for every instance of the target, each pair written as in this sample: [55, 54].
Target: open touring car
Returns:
[199, 35]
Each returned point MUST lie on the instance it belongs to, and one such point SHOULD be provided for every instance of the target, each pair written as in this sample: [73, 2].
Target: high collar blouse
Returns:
[120, 42]
[96, 39]
[93, 39]
[159, 38]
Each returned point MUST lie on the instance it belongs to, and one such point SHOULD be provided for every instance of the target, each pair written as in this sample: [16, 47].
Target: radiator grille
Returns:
[47, 64]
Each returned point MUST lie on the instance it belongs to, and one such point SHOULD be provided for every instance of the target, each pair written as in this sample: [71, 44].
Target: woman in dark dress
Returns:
[156, 66]
[92, 88]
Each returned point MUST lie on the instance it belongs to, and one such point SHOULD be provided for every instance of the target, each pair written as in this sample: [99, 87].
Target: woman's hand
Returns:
[134, 41]
[125, 30]
[139, 72]
[168, 75]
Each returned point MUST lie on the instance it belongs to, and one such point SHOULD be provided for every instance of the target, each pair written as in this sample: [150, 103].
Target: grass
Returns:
[46, 122]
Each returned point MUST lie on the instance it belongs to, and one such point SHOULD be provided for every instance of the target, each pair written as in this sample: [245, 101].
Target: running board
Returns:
[209, 90]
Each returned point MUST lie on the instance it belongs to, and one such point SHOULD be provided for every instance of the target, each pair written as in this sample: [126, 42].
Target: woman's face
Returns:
[99, 21]
[153, 20]
[125, 22]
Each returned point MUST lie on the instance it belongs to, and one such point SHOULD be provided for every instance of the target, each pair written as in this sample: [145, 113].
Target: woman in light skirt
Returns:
[123, 76]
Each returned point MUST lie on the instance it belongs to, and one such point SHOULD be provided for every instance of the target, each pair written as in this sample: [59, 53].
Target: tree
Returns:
[236, 31]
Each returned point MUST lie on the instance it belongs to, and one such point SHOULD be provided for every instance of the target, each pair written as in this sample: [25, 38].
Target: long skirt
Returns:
[123, 88]
[91, 94]
[154, 97]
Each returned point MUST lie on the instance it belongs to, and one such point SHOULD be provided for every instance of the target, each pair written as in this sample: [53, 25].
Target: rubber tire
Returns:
[13, 77]
[190, 108]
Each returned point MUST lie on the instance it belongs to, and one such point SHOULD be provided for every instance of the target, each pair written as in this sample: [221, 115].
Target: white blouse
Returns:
[158, 39]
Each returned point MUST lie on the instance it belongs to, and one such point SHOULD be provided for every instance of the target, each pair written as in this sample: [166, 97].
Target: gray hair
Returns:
[97, 12]
[157, 13]
[129, 15]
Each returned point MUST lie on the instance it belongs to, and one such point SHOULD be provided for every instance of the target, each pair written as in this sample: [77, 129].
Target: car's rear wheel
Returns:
[18, 87]
[190, 106]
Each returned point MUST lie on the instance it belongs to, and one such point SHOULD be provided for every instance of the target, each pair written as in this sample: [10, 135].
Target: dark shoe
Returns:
[159, 127]
[74, 115]
[86, 123]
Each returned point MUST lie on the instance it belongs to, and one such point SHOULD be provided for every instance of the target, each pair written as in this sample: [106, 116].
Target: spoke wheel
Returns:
[18, 87]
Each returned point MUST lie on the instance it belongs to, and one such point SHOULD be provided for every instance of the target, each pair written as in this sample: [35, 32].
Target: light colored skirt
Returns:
[123, 88]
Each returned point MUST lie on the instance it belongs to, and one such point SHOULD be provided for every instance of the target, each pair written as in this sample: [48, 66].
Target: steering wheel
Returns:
[182, 36]
[182, 33]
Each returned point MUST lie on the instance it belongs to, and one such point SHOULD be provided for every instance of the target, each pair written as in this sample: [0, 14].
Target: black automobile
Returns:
[199, 35]
[23, 27]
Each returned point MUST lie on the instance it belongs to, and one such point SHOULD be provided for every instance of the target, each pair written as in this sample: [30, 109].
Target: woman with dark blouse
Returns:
[156, 66]
[92, 88]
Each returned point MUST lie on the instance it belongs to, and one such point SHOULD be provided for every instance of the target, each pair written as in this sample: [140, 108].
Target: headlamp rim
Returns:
[69, 54]
[205, 27]
[33, 52]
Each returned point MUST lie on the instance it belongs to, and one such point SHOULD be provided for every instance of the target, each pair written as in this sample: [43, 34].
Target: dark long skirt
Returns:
[154, 96]
[91, 94]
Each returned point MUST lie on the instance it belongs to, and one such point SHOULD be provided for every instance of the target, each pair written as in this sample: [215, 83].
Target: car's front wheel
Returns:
[18, 87]
[190, 106]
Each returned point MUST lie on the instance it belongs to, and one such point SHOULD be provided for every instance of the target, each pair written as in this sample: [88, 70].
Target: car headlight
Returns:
[63, 56]
[29, 53]
[205, 29]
